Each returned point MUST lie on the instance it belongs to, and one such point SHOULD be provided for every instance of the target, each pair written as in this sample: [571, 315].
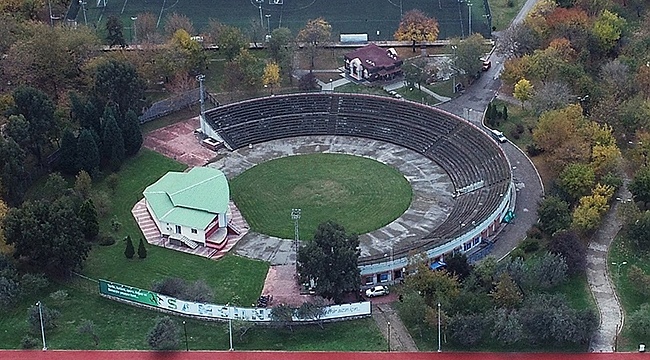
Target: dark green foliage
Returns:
[118, 83]
[68, 153]
[331, 259]
[87, 152]
[31, 284]
[611, 179]
[92, 118]
[106, 240]
[412, 309]
[13, 176]
[89, 222]
[131, 133]
[164, 335]
[457, 264]
[7, 268]
[467, 330]
[507, 328]
[640, 185]
[87, 327]
[640, 280]
[572, 249]
[198, 291]
[311, 311]
[554, 215]
[307, 82]
[142, 251]
[529, 246]
[47, 235]
[38, 110]
[50, 318]
[113, 152]
[283, 315]
[639, 231]
[114, 34]
[55, 187]
[639, 321]
[28, 342]
[546, 272]
[129, 252]
[504, 114]
[9, 291]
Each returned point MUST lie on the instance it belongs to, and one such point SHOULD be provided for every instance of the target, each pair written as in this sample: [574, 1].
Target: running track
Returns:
[268, 355]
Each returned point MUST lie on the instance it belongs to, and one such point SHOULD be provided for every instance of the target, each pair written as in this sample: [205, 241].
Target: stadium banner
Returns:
[220, 312]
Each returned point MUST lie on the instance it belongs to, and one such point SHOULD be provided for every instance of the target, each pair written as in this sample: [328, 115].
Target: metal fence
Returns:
[175, 103]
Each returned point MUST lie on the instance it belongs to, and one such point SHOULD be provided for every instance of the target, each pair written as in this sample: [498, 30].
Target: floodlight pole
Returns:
[268, 23]
[230, 332]
[618, 267]
[40, 315]
[200, 79]
[469, 7]
[187, 346]
[295, 215]
[135, 30]
[388, 336]
[439, 349]
[259, 3]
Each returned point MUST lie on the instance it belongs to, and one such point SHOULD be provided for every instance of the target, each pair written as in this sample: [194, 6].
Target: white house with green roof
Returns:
[191, 208]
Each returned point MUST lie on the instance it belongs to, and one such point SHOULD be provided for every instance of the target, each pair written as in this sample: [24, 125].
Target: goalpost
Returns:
[101, 3]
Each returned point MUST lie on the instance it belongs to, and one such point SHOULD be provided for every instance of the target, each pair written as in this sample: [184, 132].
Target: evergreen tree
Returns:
[87, 152]
[91, 118]
[114, 34]
[68, 153]
[112, 141]
[131, 133]
[13, 176]
[505, 112]
[129, 251]
[142, 251]
[88, 216]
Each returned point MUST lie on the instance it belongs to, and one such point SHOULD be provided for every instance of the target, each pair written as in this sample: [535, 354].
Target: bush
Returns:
[639, 321]
[33, 283]
[515, 134]
[106, 240]
[112, 181]
[529, 246]
[534, 150]
[520, 128]
[9, 292]
[103, 203]
[28, 342]
[7, 268]
[199, 291]
[50, 318]
[87, 327]
[164, 335]
[59, 296]
[569, 245]
[170, 286]
[142, 250]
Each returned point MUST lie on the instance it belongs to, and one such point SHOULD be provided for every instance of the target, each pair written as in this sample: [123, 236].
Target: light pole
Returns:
[40, 315]
[83, 9]
[453, 77]
[187, 346]
[469, 7]
[259, 4]
[230, 332]
[135, 30]
[331, 86]
[389, 336]
[439, 350]
[268, 23]
[618, 267]
[295, 215]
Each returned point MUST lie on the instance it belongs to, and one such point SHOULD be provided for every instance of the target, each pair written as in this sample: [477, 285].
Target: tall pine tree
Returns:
[68, 153]
[91, 118]
[130, 250]
[142, 251]
[88, 216]
[131, 133]
[87, 152]
[112, 141]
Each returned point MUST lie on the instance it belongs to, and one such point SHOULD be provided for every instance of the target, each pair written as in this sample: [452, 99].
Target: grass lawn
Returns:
[361, 194]
[517, 117]
[502, 14]
[361, 89]
[414, 94]
[622, 250]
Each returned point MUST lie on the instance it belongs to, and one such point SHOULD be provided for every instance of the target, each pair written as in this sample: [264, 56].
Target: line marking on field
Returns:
[161, 12]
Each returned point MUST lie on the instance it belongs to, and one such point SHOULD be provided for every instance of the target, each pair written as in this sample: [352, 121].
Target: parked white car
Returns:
[378, 290]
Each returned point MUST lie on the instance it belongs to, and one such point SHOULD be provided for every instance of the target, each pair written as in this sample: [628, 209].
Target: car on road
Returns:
[498, 136]
[378, 290]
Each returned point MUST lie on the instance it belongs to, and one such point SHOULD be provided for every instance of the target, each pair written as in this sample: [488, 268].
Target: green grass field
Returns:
[359, 193]
[344, 16]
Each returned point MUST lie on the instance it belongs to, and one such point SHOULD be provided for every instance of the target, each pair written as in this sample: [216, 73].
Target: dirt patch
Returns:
[179, 142]
[282, 285]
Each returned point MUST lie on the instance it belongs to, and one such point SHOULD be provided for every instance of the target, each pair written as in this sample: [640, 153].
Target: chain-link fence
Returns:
[175, 103]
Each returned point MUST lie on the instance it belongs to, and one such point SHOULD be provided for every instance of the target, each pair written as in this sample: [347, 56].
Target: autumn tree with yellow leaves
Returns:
[417, 27]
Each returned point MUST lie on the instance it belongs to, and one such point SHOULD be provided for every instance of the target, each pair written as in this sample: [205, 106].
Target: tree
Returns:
[564, 135]
[47, 236]
[13, 176]
[640, 185]
[9, 292]
[434, 286]
[175, 22]
[586, 216]
[38, 111]
[271, 77]
[187, 53]
[164, 335]
[245, 72]
[546, 271]
[87, 152]
[231, 42]
[414, 73]
[468, 54]
[576, 180]
[68, 153]
[640, 280]
[639, 321]
[467, 330]
[129, 252]
[551, 95]
[82, 185]
[88, 217]
[311, 311]
[505, 112]
[554, 215]
[118, 82]
[457, 265]
[607, 29]
[114, 30]
[131, 133]
[506, 293]
[412, 309]
[281, 49]
[518, 40]
[55, 187]
[639, 231]
[523, 91]
[416, 27]
[147, 29]
[142, 251]
[507, 328]
[330, 260]
[316, 33]
[113, 152]
[283, 314]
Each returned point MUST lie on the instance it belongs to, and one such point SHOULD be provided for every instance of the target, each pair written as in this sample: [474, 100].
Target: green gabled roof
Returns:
[192, 199]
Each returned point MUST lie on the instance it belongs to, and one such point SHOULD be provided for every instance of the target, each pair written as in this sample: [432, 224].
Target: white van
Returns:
[498, 136]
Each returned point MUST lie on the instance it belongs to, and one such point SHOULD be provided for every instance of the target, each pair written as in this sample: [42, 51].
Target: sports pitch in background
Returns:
[346, 16]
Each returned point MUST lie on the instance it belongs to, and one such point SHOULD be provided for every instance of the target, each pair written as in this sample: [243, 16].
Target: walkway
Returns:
[424, 89]
[611, 314]
[400, 338]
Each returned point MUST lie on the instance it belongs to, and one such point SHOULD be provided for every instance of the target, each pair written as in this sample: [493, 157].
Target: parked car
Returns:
[487, 64]
[378, 290]
[498, 136]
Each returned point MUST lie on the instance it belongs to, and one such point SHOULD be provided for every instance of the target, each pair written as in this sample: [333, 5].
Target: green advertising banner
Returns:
[128, 293]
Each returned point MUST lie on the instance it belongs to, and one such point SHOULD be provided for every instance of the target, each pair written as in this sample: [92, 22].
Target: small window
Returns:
[467, 246]
[368, 280]
[178, 229]
[383, 277]
[194, 231]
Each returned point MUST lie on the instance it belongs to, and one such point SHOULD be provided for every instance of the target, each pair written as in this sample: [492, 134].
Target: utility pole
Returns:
[439, 349]
[469, 7]
[40, 315]
[295, 215]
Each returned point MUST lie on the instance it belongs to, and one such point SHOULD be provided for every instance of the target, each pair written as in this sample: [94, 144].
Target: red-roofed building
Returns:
[372, 63]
